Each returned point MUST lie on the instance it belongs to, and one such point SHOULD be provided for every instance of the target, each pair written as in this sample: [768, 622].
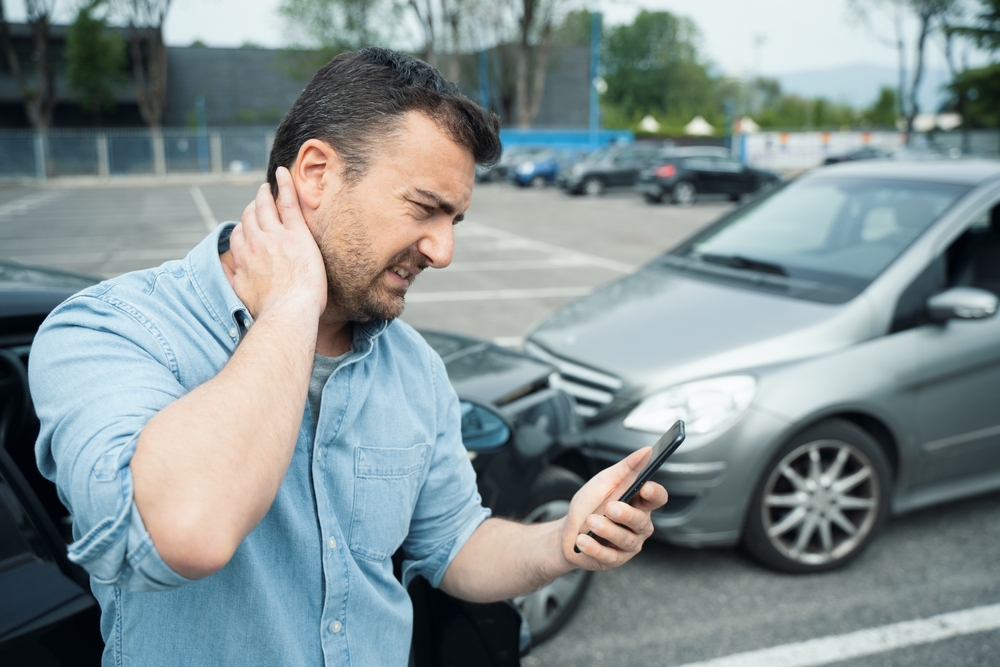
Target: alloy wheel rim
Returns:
[541, 608]
[820, 502]
[593, 187]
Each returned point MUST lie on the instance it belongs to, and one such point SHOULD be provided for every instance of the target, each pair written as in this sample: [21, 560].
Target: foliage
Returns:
[985, 32]
[882, 113]
[95, 58]
[980, 89]
[335, 26]
[652, 67]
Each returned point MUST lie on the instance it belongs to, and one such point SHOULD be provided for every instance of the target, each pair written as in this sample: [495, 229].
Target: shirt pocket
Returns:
[386, 483]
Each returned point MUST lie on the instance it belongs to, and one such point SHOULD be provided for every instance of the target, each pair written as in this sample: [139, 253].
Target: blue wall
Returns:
[563, 138]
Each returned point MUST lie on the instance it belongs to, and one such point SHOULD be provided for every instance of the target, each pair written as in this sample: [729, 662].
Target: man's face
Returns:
[379, 232]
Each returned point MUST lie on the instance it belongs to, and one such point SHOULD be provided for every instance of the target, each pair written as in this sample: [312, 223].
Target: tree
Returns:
[882, 113]
[148, 54]
[95, 59]
[39, 91]
[535, 23]
[980, 88]
[985, 31]
[930, 16]
[652, 67]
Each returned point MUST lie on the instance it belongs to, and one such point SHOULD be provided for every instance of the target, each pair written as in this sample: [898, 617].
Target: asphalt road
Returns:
[519, 255]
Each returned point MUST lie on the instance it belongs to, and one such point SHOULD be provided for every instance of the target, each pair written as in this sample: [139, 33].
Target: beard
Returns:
[357, 287]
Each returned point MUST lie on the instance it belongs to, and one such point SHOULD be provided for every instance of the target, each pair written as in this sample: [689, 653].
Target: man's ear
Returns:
[317, 169]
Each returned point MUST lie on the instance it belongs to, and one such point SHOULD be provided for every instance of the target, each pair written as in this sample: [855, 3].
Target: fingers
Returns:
[265, 210]
[650, 497]
[288, 199]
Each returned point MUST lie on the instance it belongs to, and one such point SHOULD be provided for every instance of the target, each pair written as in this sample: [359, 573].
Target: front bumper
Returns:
[710, 479]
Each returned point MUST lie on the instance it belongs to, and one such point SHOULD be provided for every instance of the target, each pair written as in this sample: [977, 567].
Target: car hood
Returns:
[483, 371]
[36, 290]
[658, 327]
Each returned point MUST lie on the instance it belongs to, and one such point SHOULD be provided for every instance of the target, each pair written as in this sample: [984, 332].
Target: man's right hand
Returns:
[275, 259]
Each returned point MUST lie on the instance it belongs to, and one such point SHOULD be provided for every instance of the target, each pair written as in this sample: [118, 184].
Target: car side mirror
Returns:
[484, 429]
[962, 303]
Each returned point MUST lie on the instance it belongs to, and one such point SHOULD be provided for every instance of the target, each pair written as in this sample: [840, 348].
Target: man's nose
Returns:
[438, 244]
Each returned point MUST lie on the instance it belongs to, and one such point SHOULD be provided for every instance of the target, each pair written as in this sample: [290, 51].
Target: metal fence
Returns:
[115, 152]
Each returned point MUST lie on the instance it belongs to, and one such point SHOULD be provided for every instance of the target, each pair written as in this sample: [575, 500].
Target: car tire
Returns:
[593, 186]
[820, 501]
[684, 193]
[549, 608]
[538, 182]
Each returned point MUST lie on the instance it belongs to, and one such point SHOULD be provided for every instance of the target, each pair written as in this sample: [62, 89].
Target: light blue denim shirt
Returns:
[312, 584]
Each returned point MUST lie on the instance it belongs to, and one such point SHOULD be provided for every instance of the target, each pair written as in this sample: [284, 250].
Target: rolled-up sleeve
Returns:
[449, 508]
[99, 370]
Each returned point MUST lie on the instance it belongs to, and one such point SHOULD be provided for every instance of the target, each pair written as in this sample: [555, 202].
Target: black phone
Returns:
[662, 450]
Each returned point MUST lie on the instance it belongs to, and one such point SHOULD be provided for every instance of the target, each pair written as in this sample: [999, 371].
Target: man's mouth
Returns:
[401, 276]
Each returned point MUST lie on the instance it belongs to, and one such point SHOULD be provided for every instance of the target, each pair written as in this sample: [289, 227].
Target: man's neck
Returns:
[334, 336]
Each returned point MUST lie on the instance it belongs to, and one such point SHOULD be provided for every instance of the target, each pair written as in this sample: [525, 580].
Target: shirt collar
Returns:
[212, 285]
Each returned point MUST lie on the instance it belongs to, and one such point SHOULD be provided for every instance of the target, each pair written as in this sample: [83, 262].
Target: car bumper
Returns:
[710, 479]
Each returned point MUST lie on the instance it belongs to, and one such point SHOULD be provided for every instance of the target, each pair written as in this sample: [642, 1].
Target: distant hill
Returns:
[858, 85]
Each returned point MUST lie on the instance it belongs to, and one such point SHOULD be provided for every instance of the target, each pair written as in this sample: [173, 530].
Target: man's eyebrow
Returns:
[442, 204]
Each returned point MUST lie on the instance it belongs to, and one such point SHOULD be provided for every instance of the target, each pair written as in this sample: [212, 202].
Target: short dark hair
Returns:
[356, 99]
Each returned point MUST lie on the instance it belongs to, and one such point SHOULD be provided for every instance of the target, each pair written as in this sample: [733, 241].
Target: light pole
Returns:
[595, 76]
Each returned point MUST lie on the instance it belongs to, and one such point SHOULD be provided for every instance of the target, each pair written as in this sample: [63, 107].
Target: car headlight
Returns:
[704, 405]
[577, 169]
[526, 168]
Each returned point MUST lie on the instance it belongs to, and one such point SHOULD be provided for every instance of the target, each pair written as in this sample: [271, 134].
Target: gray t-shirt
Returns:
[323, 368]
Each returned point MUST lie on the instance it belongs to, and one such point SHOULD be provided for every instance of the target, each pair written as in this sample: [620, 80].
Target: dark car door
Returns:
[623, 169]
[734, 178]
[702, 173]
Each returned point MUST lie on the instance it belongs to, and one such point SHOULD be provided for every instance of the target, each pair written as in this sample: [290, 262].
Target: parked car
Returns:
[684, 174]
[613, 166]
[832, 346]
[863, 153]
[516, 425]
[512, 156]
[541, 169]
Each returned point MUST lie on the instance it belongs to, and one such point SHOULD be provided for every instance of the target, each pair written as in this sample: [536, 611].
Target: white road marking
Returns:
[497, 294]
[28, 202]
[509, 341]
[825, 650]
[517, 241]
[519, 264]
[206, 211]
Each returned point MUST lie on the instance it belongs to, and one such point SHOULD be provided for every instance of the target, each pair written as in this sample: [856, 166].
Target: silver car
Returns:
[832, 347]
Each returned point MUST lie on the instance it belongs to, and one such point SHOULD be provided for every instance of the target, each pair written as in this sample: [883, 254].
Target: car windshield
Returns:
[837, 234]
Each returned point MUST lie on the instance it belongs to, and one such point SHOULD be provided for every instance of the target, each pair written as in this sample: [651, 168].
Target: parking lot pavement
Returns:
[519, 255]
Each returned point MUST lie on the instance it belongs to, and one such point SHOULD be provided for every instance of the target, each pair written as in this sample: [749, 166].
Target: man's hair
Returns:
[355, 101]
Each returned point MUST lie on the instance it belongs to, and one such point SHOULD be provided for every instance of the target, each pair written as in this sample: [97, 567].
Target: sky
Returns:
[793, 35]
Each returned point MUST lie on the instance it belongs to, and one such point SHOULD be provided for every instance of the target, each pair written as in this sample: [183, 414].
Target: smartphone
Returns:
[662, 450]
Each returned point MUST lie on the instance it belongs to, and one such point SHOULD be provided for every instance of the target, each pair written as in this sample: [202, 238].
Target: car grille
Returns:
[591, 389]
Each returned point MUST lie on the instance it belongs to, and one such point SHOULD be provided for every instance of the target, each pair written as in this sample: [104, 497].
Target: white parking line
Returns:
[826, 650]
[497, 294]
[28, 202]
[515, 240]
[206, 211]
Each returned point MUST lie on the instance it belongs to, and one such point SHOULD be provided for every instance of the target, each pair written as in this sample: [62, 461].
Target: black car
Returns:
[683, 176]
[519, 430]
[863, 153]
[614, 166]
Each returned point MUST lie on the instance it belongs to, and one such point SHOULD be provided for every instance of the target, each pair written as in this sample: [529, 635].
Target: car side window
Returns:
[14, 525]
[972, 260]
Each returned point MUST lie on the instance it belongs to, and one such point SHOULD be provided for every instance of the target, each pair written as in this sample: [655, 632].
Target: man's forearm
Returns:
[207, 467]
[504, 559]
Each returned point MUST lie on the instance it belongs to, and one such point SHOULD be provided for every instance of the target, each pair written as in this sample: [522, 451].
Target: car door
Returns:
[734, 177]
[958, 394]
[623, 170]
[703, 174]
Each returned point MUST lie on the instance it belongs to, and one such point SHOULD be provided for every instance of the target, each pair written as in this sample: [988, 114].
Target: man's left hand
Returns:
[622, 528]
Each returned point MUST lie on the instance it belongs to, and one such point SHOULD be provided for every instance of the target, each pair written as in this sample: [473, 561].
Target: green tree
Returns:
[981, 90]
[95, 59]
[882, 113]
[652, 67]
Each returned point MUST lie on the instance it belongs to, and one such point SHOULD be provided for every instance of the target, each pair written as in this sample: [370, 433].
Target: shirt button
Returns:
[232, 332]
[332, 542]
[336, 627]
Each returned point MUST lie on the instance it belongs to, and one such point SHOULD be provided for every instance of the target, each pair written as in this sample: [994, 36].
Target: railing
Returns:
[115, 152]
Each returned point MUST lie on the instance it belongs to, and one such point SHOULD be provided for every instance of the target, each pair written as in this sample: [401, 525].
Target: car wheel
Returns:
[538, 182]
[684, 193]
[547, 609]
[593, 186]
[821, 501]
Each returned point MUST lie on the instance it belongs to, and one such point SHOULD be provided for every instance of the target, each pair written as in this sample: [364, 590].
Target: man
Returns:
[251, 434]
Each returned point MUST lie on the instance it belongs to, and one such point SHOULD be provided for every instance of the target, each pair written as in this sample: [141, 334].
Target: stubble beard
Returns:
[356, 283]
